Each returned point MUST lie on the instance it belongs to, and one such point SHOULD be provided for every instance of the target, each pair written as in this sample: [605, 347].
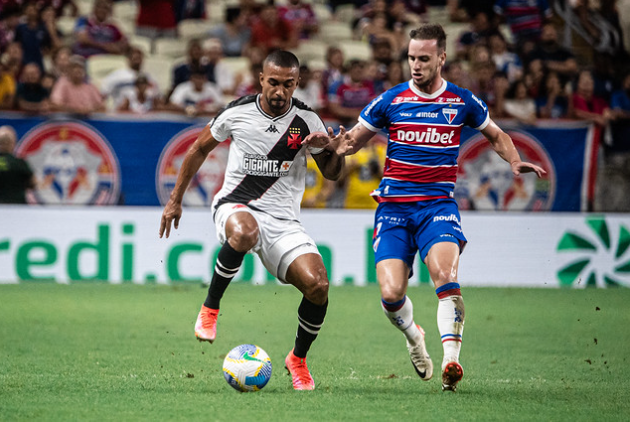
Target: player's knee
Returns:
[443, 275]
[391, 294]
[317, 286]
[243, 237]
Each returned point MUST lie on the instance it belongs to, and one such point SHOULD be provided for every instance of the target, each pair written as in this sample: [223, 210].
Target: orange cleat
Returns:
[451, 375]
[206, 325]
[302, 379]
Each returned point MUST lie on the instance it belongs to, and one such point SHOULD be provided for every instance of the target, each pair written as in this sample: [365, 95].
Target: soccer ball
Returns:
[247, 368]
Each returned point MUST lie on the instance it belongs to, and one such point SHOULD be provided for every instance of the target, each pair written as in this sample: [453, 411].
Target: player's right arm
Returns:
[193, 160]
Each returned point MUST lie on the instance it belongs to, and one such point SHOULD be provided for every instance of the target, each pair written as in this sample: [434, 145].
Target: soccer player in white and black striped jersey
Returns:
[257, 209]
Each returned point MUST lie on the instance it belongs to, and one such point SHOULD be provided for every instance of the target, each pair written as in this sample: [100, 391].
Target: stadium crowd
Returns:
[549, 61]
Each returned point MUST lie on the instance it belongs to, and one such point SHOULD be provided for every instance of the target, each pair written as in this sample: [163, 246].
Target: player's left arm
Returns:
[503, 145]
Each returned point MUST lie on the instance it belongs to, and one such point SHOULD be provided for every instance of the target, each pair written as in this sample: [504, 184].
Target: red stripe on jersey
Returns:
[408, 96]
[380, 199]
[420, 174]
[433, 135]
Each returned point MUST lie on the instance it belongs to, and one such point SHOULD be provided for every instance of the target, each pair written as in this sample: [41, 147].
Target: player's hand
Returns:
[172, 213]
[519, 167]
[317, 140]
[343, 144]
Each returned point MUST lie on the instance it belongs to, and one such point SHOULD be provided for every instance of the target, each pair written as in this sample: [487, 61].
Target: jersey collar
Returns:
[421, 94]
[259, 107]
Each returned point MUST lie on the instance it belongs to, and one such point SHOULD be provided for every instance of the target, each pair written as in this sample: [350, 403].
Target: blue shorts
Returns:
[402, 229]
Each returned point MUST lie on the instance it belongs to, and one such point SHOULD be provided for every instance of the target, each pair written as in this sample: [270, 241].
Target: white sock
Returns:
[400, 314]
[450, 320]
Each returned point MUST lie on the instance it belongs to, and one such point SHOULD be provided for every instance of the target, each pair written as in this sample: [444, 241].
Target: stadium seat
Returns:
[161, 69]
[355, 50]
[345, 13]
[125, 10]
[195, 28]
[169, 47]
[322, 12]
[215, 11]
[236, 64]
[101, 65]
[66, 25]
[144, 43]
[334, 32]
[311, 50]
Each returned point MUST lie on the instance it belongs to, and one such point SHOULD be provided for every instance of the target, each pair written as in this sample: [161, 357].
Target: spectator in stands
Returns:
[156, 19]
[354, 93]
[197, 96]
[483, 85]
[375, 29]
[519, 105]
[525, 18]
[552, 55]
[118, 80]
[31, 96]
[586, 105]
[318, 190]
[36, 37]
[7, 89]
[16, 177]
[48, 81]
[72, 94]
[552, 101]
[363, 173]
[534, 77]
[217, 71]
[478, 33]
[395, 74]
[506, 62]
[309, 91]
[59, 6]
[465, 10]
[190, 9]
[620, 105]
[333, 71]
[194, 60]
[140, 98]
[234, 33]
[60, 61]
[271, 32]
[250, 85]
[455, 73]
[12, 59]
[97, 33]
[9, 20]
[301, 17]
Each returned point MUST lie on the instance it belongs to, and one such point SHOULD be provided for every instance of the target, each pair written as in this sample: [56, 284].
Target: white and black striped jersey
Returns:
[267, 164]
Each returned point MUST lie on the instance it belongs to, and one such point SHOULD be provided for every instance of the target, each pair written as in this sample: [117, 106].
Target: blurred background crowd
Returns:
[527, 59]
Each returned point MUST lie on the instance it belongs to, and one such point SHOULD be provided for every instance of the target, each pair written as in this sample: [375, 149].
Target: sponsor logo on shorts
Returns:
[451, 217]
[73, 164]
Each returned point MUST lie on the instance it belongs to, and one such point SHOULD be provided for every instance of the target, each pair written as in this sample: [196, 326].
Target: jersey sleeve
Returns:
[220, 126]
[477, 115]
[374, 115]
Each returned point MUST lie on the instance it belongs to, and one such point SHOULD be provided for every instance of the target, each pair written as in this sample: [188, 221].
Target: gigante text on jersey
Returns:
[259, 165]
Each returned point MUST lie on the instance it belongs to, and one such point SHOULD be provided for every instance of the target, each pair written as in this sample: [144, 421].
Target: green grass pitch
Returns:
[107, 352]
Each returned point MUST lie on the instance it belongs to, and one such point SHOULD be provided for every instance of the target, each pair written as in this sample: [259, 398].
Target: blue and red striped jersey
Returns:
[423, 143]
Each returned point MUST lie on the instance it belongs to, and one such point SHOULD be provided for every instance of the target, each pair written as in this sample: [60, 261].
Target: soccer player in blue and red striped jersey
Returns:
[416, 211]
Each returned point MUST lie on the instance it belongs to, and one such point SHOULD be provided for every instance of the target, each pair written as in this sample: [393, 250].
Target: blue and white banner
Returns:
[109, 160]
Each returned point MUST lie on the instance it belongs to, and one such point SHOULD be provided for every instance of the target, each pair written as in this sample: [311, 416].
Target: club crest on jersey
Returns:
[294, 141]
[450, 114]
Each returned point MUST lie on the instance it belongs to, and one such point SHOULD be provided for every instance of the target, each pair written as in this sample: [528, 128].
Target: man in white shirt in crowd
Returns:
[197, 96]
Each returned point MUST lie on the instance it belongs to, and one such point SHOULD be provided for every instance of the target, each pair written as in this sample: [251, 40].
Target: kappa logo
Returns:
[272, 129]
[450, 114]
